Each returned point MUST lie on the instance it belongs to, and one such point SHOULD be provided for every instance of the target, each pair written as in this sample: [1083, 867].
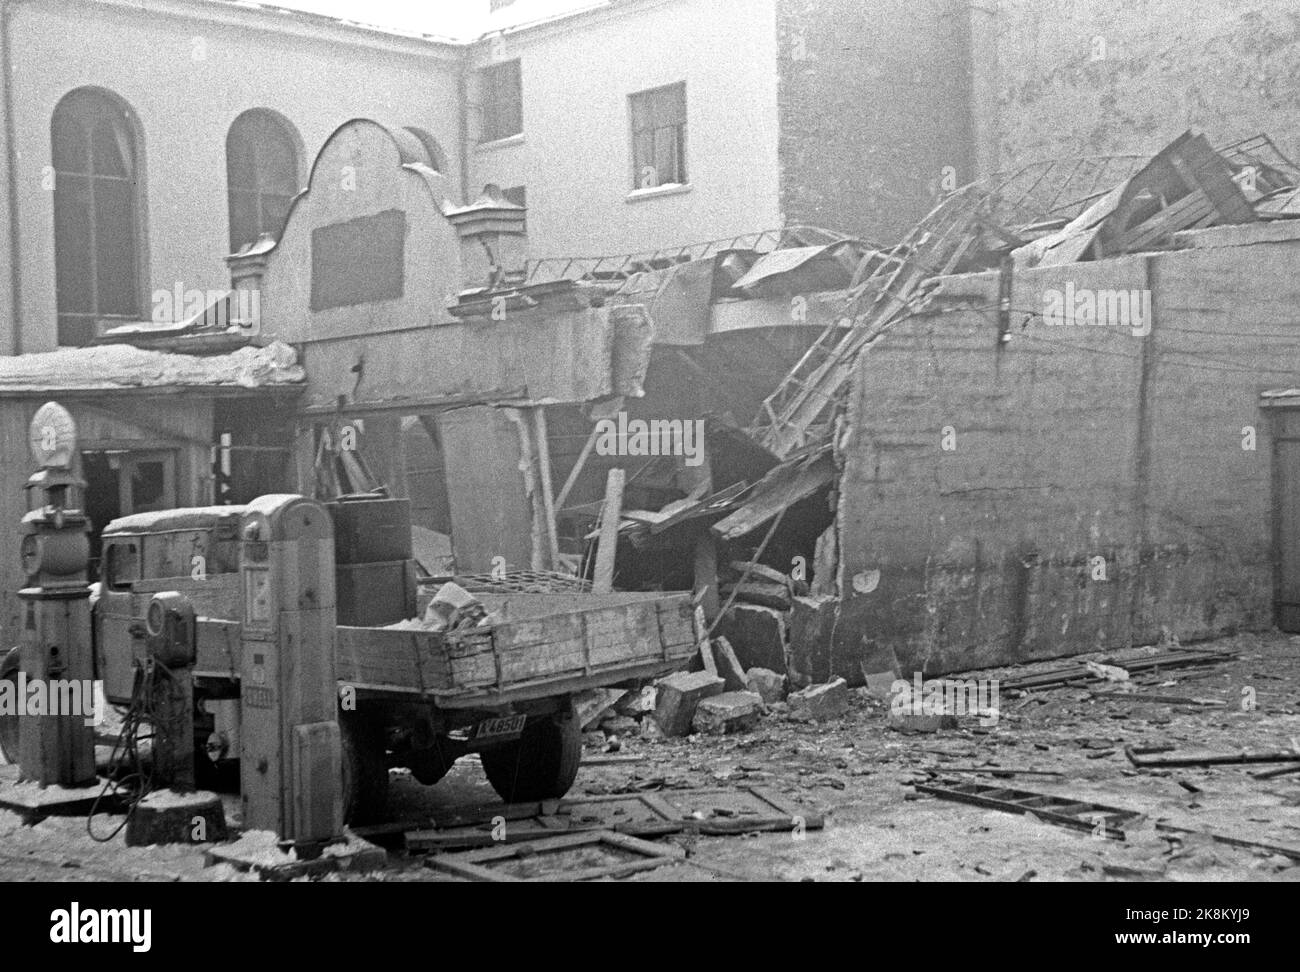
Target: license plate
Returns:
[497, 730]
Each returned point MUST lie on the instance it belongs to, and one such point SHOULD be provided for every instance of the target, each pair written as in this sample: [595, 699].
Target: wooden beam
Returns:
[610, 517]
[548, 487]
[576, 471]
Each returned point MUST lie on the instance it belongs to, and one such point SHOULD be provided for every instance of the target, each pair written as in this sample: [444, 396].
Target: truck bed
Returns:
[544, 644]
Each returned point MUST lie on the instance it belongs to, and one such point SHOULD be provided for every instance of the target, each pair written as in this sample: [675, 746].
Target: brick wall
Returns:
[873, 98]
[1071, 443]
[1230, 68]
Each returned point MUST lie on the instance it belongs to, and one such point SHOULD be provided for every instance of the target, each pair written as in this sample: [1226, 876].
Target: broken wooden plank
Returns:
[603, 582]
[777, 491]
[578, 466]
[1079, 672]
[543, 449]
[1166, 756]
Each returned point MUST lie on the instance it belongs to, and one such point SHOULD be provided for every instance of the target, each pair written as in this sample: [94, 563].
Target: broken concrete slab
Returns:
[817, 702]
[728, 667]
[592, 705]
[728, 712]
[767, 684]
[678, 696]
[757, 635]
[637, 703]
[818, 655]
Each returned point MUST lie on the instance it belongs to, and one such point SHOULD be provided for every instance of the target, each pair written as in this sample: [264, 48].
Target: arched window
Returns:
[98, 206]
[437, 158]
[261, 175]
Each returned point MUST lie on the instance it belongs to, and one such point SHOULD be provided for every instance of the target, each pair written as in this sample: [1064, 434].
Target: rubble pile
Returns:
[719, 696]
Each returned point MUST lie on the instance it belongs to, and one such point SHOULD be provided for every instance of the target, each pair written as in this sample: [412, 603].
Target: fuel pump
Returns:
[290, 746]
[56, 749]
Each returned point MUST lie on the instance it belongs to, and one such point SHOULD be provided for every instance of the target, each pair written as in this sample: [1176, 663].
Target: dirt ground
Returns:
[857, 770]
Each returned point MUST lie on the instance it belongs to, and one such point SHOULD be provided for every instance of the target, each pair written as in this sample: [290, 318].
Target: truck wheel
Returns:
[541, 764]
[9, 720]
[365, 769]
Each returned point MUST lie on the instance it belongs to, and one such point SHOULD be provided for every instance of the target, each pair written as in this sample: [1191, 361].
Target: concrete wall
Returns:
[574, 154]
[1071, 443]
[1227, 67]
[187, 69]
[874, 106]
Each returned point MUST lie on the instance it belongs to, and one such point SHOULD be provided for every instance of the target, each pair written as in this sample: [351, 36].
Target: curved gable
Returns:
[366, 247]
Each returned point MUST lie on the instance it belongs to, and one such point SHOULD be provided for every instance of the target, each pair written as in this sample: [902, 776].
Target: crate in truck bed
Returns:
[542, 644]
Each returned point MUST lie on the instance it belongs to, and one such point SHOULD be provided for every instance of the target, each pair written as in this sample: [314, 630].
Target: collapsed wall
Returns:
[1071, 487]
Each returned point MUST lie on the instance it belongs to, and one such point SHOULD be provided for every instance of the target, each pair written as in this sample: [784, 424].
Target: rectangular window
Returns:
[503, 102]
[659, 137]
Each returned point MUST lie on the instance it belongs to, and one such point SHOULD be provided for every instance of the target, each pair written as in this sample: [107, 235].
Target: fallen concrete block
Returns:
[817, 702]
[728, 712]
[728, 666]
[767, 684]
[757, 635]
[638, 703]
[677, 697]
[591, 706]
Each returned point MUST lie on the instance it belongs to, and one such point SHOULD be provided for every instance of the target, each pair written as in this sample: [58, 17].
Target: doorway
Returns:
[122, 482]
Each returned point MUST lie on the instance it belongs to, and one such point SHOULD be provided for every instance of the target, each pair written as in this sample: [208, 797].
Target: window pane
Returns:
[277, 165]
[502, 94]
[74, 267]
[644, 144]
[658, 119]
[275, 210]
[666, 155]
[641, 119]
[111, 148]
[148, 487]
[115, 247]
[243, 218]
[96, 208]
[262, 176]
[71, 144]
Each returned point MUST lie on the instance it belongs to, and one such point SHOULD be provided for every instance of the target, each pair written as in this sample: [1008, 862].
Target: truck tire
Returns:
[365, 769]
[541, 764]
[9, 721]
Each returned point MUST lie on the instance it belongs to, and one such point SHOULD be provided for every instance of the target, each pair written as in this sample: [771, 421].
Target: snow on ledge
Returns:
[123, 366]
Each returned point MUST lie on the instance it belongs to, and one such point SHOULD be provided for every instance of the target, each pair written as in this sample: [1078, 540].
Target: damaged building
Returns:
[909, 458]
